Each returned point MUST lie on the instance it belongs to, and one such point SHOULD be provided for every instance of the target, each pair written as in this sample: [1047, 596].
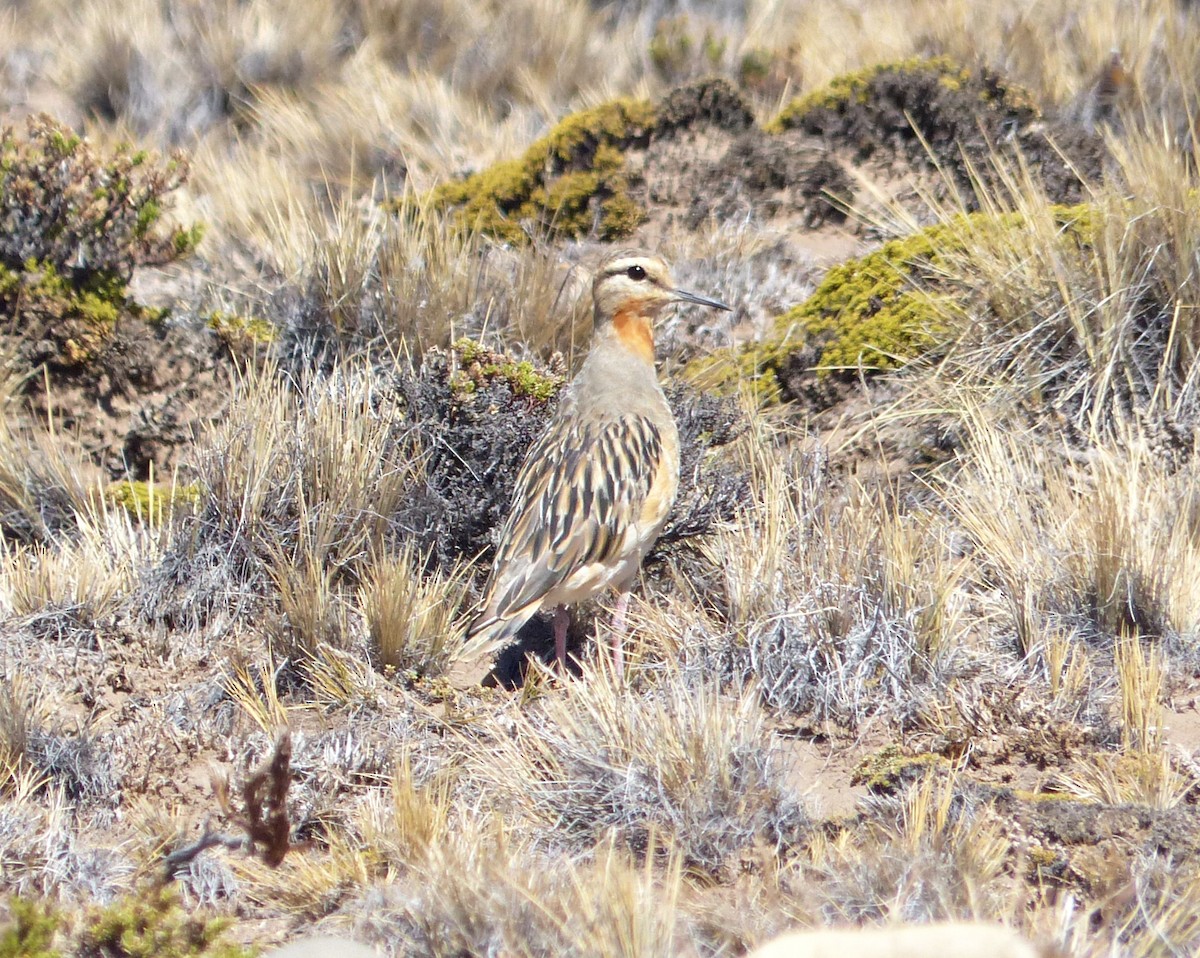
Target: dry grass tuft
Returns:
[45, 483]
[932, 854]
[827, 597]
[1153, 779]
[1080, 314]
[493, 896]
[312, 613]
[1100, 543]
[303, 483]
[399, 284]
[256, 691]
[18, 776]
[690, 767]
[45, 856]
[411, 618]
[410, 823]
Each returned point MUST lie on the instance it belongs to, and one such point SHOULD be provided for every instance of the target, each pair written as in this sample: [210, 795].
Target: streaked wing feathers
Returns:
[581, 487]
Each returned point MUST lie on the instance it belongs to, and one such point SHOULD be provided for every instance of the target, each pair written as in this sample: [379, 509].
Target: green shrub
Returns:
[74, 225]
[88, 216]
[479, 365]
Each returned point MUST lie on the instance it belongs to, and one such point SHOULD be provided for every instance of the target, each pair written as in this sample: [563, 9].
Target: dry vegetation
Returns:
[921, 640]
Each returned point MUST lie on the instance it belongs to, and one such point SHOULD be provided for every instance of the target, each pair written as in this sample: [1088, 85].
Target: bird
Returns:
[1101, 99]
[597, 485]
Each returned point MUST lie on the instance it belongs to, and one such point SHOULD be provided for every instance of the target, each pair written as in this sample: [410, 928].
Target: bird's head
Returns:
[630, 291]
[636, 280]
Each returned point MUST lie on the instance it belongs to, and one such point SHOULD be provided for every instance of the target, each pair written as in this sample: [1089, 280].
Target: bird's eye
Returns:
[635, 272]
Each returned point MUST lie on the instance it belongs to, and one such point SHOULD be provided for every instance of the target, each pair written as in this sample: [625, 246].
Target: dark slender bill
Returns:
[685, 296]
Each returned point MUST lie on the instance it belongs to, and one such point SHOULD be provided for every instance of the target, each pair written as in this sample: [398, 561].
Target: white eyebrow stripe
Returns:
[621, 265]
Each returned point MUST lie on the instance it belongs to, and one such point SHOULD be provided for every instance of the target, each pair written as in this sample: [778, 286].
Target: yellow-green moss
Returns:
[242, 334]
[79, 319]
[151, 924]
[1045, 863]
[876, 312]
[150, 501]
[30, 932]
[885, 769]
[569, 183]
[752, 368]
[865, 313]
[855, 88]
[478, 364]
[868, 312]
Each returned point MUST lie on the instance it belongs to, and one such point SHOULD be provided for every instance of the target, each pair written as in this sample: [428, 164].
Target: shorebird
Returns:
[597, 485]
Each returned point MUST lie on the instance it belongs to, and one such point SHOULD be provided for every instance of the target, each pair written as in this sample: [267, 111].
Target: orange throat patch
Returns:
[634, 332]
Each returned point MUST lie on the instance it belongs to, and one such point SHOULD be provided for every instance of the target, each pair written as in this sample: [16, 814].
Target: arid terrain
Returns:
[288, 289]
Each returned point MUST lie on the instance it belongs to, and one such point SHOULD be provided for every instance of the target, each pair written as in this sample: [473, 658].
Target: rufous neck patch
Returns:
[633, 331]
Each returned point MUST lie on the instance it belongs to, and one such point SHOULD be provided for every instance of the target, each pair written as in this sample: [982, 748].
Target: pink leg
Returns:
[619, 629]
[561, 621]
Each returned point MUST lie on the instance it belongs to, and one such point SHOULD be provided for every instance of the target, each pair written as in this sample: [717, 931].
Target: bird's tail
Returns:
[485, 636]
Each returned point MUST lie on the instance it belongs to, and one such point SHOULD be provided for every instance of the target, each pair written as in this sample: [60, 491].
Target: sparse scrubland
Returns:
[288, 290]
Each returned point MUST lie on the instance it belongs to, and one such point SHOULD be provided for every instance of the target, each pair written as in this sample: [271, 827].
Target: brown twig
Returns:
[176, 860]
[263, 817]
[264, 798]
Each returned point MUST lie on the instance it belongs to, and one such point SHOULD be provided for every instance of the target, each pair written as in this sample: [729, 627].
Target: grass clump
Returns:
[46, 483]
[1087, 311]
[298, 487]
[931, 853]
[834, 606]
[690, 767]
[570, 183]
[411, 617]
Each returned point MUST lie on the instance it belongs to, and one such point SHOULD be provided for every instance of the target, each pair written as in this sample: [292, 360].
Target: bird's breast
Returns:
[664, 485]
